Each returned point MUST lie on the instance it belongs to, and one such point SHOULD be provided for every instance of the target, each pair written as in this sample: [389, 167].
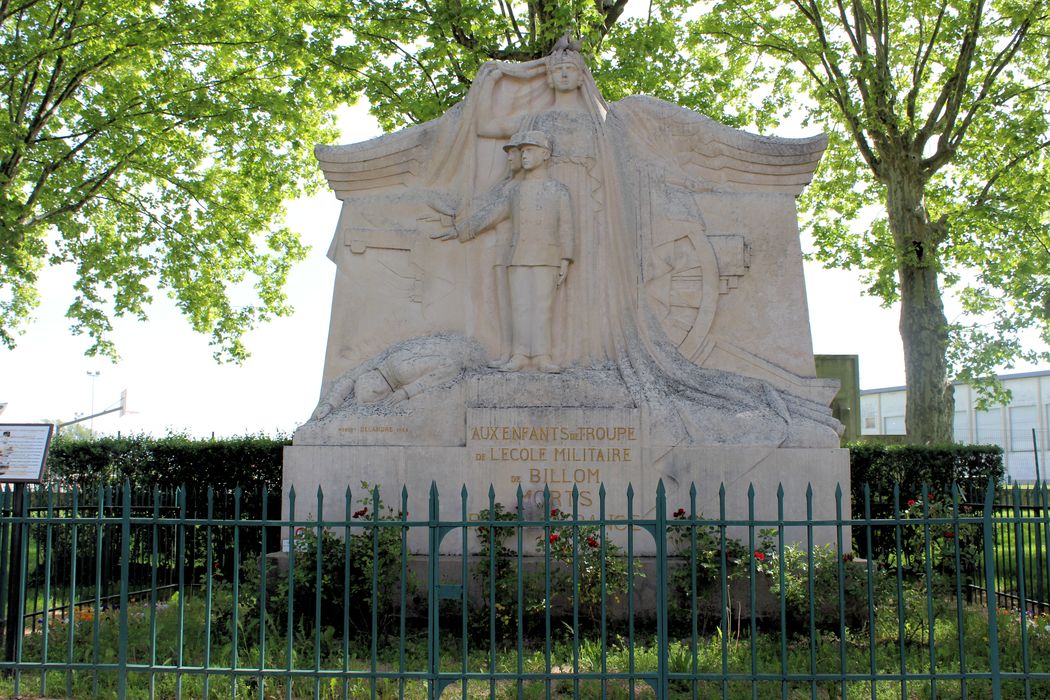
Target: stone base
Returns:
[616, 461]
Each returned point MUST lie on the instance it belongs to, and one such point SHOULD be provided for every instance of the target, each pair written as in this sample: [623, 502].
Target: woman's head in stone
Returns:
[565, 70]
[371, 387]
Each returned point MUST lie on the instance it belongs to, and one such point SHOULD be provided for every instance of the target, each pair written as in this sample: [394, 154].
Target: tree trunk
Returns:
[924, 329]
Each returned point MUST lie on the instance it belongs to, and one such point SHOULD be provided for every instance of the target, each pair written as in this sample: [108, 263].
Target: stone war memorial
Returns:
[541, 289]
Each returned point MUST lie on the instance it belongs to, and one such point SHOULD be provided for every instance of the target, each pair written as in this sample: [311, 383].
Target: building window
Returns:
[893, 425]
[961, 427]
[1022, 422]
[989, 427]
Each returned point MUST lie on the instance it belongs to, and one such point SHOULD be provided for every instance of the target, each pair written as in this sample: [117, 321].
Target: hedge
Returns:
[250, 462]
[911, 466]
[937, 467]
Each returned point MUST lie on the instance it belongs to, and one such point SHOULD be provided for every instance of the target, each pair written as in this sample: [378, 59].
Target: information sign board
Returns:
[23, 451]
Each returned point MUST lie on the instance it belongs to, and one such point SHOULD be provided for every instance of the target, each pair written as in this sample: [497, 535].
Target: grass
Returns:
[179, 648]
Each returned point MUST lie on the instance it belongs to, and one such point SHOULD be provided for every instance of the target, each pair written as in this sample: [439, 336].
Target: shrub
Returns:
[943, 540]
[937, 467]
[701, 564]
[707, 562]
[827, 570]
[496, 568]
[564, 540]
[345, 587]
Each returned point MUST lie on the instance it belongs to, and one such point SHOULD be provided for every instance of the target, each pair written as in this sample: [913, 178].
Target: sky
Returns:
[174, 385]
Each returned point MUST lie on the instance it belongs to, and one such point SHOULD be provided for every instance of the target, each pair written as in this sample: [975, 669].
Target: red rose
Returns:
[948, 535]
[592, 542]
[554, 537]
[361, 513]
[680, 513]
[554, 512]
[760, 555]
[911, 502]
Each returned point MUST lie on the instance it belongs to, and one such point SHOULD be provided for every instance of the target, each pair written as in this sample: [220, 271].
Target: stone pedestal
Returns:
[597, 437]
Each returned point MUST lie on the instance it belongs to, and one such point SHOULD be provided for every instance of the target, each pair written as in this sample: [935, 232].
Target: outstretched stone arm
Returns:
[488, 216]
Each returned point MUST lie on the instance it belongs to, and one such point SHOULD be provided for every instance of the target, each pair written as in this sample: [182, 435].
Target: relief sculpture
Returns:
[633, 249]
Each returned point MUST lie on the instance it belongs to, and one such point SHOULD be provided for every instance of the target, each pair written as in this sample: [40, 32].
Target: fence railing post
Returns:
[433, 596]
[13, 628]
[125, 564]
[663, 646]
[992, 596]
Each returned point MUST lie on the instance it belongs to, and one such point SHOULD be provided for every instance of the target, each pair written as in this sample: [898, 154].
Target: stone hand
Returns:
[395, 398]
[447, 231]
[446, 234]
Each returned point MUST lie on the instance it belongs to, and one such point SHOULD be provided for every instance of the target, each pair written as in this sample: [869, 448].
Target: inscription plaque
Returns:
[555, 448]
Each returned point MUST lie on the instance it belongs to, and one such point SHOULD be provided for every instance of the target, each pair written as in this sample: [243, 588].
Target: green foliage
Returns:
[703, 545]
[421, 57]
[811, 584]
[699, 546]
[496, 571]
[952, 548]
[344, 576]
[571, 547]
[939, 129]
[881, 467]
[911, 468]
[584, 548]
[251, 462]
[153, 146]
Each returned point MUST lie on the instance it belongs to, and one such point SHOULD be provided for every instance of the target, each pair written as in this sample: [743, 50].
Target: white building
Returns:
[1009, 426]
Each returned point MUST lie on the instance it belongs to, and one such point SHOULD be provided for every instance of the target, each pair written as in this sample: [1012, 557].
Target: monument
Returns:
[543, 289]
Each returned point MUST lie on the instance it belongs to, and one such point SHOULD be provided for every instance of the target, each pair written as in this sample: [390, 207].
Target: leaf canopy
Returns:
[152, 145]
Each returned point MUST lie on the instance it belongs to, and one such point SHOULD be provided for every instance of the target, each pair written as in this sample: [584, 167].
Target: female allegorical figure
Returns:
[556, 95]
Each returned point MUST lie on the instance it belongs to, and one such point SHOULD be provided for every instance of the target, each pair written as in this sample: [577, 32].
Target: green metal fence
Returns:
[552, 604]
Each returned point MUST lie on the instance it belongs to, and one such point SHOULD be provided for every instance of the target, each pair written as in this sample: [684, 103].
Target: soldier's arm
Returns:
[491, 213]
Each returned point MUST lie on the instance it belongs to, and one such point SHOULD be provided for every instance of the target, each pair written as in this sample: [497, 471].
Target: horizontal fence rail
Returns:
[129, 593]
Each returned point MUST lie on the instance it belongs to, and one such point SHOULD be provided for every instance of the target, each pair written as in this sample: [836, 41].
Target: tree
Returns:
[420, 57]
[153, 145]
[938, 115]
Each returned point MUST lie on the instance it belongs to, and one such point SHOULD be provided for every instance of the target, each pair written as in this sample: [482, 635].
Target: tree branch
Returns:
[840, 94]
[983, 197]
[1002, 59]
[7, 12]
[952, 92]
[922, 58]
